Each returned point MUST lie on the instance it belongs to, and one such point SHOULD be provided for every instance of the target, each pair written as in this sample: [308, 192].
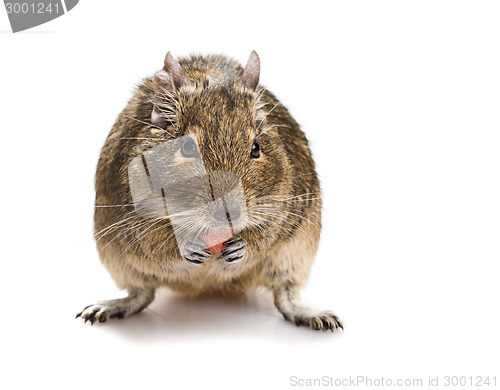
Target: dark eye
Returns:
[255, 149]
[189, 148]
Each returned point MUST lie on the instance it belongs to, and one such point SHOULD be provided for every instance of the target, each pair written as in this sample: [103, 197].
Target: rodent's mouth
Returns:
[215, 239]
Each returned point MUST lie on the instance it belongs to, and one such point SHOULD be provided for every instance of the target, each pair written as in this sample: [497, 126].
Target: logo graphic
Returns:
[25, 14]
[170, 181]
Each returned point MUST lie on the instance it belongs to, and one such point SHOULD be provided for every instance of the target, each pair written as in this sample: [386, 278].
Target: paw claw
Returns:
[235, 251]
[136, 301]
[95, 313]
[317, 324]
[322, 321]
[197, 256]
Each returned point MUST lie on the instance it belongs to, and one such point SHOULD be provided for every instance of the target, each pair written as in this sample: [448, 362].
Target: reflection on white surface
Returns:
[173, 318]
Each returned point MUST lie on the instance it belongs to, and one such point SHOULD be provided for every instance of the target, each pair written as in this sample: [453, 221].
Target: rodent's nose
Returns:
[222, 214]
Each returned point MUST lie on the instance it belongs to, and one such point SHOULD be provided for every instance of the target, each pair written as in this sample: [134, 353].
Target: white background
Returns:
[400, 101]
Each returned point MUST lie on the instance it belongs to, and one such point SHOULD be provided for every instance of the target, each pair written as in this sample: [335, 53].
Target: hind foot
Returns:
[286, 301]
[318, 321]
[136, 301]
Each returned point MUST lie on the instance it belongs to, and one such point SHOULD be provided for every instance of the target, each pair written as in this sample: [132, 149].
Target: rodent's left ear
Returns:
[166, 83]
[174, 69]
[251, 74]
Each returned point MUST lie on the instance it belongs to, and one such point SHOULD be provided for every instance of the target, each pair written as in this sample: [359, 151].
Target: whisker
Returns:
[154, 139]
[287, 212]
[281, 227]
[144, 123]
[167, 104]
[296, 196]
[115, 205]
[105, 231]
[283, 219]
[266, 114]
[267, 128]
[139, 237]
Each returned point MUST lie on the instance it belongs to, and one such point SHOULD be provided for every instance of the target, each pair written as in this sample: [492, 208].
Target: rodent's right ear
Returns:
[166, 83]
[251, 73]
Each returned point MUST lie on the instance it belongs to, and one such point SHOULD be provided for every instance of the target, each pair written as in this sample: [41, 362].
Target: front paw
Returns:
[235, 251]
[195, 255]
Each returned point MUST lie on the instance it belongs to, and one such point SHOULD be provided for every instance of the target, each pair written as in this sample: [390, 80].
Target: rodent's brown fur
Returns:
[224, 115]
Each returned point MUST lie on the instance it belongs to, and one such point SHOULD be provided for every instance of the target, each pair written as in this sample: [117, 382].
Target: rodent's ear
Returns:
[166, 83]
[174, 69]
[251, 73]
